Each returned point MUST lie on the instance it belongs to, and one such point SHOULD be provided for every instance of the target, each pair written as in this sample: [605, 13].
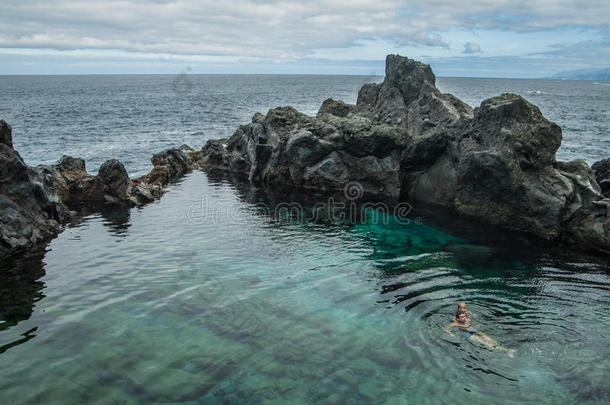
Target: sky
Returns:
[474, 38]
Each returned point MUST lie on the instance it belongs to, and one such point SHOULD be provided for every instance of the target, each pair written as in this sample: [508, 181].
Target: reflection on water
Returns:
[20, 290]
[117, 220]
[210, 297]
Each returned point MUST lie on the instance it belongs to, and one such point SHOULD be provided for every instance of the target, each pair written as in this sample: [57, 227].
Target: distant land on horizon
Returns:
[583, 74]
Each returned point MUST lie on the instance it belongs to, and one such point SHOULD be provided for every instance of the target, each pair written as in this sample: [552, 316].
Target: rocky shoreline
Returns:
[403, 139]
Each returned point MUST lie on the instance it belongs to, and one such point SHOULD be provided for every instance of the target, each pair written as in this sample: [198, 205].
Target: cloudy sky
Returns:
[479, 38]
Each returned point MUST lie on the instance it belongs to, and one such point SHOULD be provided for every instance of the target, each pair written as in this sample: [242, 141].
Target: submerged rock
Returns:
[406, 139]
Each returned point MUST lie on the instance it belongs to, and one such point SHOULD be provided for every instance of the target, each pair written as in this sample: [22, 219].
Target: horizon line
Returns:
[282, 74]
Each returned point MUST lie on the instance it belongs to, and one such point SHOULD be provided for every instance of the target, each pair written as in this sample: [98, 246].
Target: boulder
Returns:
[601, 170]
[70, 165]
[115, 179]
[13, 169]
[70, 183]
[28, 214]
[6, 134]
[213, 154]
[168, 165]
[336, 107]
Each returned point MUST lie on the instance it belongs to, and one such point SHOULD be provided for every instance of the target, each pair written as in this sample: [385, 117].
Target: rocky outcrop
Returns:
[406, 139]
[601, 170]
[6, 137]
[36, 201]
[28, 214]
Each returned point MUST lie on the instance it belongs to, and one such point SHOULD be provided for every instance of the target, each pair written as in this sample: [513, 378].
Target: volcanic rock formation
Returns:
[406, 139]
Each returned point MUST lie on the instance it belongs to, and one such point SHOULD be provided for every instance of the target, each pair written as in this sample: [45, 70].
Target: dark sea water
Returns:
[218, 293]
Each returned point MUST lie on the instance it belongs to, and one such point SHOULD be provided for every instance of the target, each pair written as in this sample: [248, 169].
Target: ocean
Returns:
[130, 117]
[214, 295]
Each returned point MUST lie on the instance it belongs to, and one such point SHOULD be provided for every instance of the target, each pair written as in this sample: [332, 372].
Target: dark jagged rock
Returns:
[186, 148]
[167, 166]
[404, 138]
[336, 107]
[290, 148]
[602, 175]
[70, 164]
[73, 185]
[6, 137]
[213, 154]
[175, 160]
[27, 215]
[505, 167]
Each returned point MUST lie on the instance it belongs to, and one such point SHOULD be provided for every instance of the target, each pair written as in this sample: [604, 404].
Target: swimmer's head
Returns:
[461, 317]
[462, 307]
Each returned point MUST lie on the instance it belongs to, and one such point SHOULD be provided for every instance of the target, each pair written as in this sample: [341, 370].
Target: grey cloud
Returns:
[264, 29]
[471, 47]
[513, 15]
[501, 66]
[589, 53]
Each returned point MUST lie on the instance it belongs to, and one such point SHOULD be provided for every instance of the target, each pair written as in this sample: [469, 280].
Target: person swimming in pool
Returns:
[462, 322]
[462, 307]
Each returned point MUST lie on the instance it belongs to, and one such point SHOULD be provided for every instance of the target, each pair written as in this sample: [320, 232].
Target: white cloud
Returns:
[336, 36]
[471, 47]
[281, 30]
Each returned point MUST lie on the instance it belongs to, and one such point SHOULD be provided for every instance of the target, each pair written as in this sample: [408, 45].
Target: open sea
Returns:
[217, 294]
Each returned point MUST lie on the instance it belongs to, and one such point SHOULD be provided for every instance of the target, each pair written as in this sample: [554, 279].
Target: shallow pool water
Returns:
[214, 295]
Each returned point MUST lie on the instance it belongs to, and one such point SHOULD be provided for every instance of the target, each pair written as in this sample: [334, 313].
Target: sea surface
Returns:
[130, 117]
[222, 292]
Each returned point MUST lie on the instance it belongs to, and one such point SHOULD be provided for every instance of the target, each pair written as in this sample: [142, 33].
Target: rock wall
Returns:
[406, 139]
[36, 201]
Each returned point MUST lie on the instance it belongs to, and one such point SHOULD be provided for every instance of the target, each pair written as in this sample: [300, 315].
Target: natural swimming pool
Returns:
[206, 297]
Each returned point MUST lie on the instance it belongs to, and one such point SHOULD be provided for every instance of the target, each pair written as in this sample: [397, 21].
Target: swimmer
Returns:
[462, 307]
[463, 324]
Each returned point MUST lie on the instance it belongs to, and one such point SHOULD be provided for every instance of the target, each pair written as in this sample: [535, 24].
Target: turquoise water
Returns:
[206, 297]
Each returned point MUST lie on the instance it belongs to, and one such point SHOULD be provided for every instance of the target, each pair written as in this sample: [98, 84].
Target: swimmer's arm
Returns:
[446, 328]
